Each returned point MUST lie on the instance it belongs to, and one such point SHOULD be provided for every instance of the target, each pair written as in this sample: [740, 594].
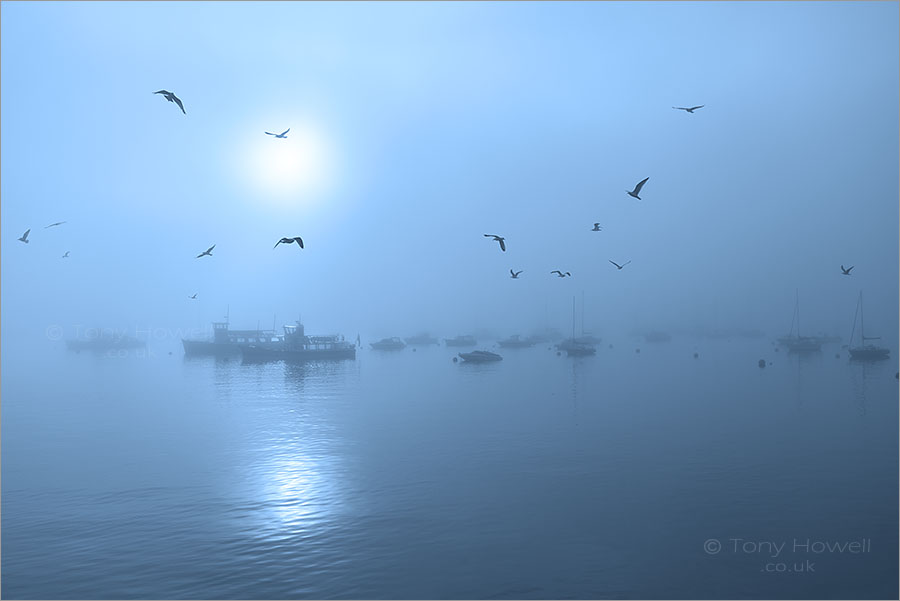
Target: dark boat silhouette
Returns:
[295, 345]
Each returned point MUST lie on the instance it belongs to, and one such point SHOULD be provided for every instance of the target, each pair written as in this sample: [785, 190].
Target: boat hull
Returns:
[261, 354]
[480, 357]
[197, 348]
[869, 354]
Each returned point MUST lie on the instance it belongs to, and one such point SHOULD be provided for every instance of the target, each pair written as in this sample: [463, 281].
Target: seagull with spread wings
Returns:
[515, 274]
[207, 252]
[597, 227]
[688, 109]
[296, 239]
[24, 237]
[846, 271]
[171, 97]
[560, 274]
[637, 189]
[55, 224]
[619, 267]
[499, 239]
[281, 135]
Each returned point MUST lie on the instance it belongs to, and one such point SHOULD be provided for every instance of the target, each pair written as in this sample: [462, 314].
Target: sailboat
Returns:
[574, 347]
[798, 343]
[865, 351]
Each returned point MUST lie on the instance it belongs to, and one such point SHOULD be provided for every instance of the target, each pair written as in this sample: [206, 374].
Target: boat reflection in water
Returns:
[295, 345]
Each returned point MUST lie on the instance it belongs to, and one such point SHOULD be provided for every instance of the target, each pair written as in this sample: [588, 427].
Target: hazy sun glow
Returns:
[294, 169]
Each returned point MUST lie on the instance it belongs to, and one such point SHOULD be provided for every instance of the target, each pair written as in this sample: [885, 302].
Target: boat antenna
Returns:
[227, 313]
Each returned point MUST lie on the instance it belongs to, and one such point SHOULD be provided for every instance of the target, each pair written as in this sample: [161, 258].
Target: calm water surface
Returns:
[404, 475]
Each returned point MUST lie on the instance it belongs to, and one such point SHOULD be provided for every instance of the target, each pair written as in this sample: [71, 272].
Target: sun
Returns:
[296, 168]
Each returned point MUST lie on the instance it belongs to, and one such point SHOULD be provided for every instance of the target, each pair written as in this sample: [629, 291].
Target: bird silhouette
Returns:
[207, 252]
[847, 271]
[560, 274]
[194, 296]
[619, 266]
[66, 256]
[597, 227]
[281, 135]
[499, 239]
[688, 109]
[515, 274]
[171, 97]
[296, 239]
[55, 224]
[24, 237]
[637, 188]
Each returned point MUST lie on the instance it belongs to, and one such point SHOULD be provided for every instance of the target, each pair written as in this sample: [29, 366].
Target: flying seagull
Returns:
[690, 110]
[847, 271]
[296, 239]
[637, 188]
[499, 239]
[171, 97]
[281, 135]
[53, 224]
[24, 237]
[193, 297]
[207, 252]
[619, 266]
[515, 274]
[560, 274]
[597, 227]
[66, 256]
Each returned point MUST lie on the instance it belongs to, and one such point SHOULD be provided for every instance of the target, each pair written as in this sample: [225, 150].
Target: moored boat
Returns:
[480, 357]
[388, 344]
[515, 341]
[105, 342]
[295, 345]
[226, 342]
[865, 351]
[421, 340]
[461, 341]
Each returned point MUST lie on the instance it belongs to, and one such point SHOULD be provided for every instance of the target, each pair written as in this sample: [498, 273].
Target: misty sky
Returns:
[416, 129]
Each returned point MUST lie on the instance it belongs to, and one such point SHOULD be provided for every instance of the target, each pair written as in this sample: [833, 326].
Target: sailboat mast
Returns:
[797, 305]
[573, 317]
[862, 321]
[582, 312]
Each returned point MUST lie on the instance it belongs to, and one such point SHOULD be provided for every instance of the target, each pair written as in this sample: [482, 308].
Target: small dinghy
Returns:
[480, 357]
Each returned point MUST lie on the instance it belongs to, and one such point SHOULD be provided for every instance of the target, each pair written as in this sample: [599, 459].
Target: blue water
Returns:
[404, 475]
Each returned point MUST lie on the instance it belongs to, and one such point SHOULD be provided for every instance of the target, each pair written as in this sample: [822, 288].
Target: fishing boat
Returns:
[388, 344]
[461, 341]
[421, 340]
[480, 357]
[796, 343]
[226, 342]
[295, 345]
[515, 342]
[104, 341]
[865, 351]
